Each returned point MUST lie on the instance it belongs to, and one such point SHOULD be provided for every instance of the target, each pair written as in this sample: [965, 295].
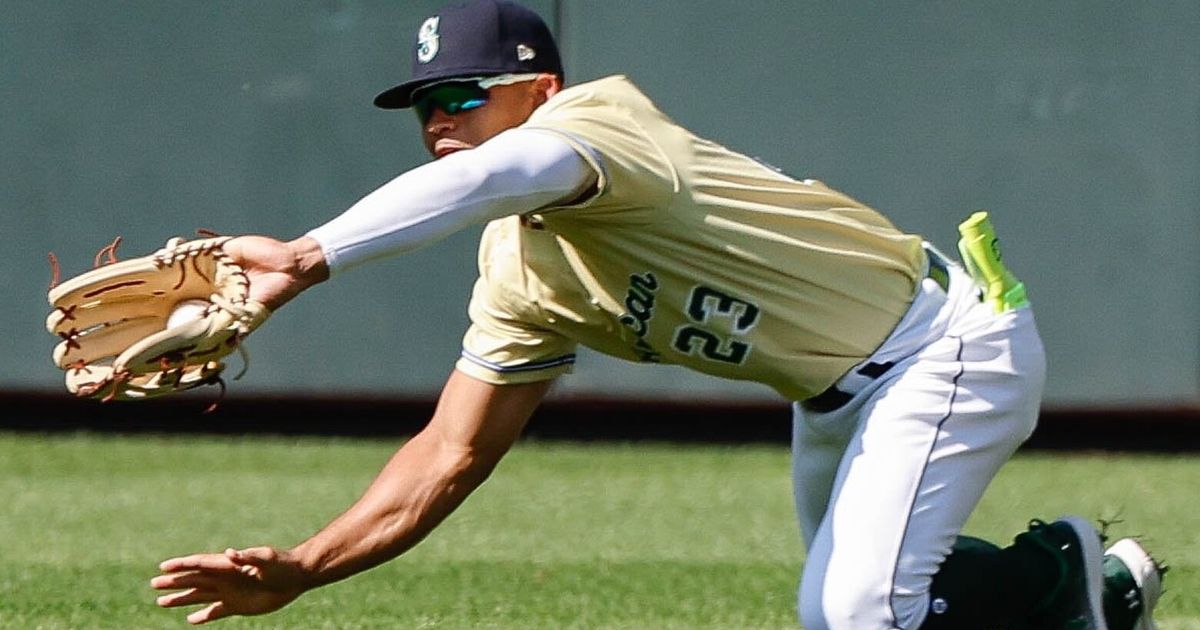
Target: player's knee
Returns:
[812, 615]
[909, 610]
[863, 604]
[839, 609]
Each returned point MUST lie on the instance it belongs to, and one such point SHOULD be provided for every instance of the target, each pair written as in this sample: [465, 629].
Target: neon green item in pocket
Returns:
[980, 251]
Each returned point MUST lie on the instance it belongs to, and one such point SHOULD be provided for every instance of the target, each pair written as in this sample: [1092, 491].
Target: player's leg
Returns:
[987, 578]
[818, 443]
[932, 437]
[1048, 579]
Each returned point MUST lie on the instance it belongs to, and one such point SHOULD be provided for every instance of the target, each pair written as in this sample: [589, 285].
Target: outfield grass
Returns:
[562, 536]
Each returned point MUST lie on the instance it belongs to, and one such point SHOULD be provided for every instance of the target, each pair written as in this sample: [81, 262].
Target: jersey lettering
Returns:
[639, 306]
[706, 303]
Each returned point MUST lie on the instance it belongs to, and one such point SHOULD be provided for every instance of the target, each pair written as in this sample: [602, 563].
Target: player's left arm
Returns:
[515, 172]
[474, 425]
[278, 271]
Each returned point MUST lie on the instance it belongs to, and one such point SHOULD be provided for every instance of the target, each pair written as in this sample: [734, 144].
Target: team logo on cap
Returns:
[525, 53]
[427, 40]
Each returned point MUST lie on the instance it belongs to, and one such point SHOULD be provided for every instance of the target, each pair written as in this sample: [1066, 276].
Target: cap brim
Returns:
[400, 96]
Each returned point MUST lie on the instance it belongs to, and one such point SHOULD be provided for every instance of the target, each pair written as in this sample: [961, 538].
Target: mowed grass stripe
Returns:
[459, 594]
[563, 535]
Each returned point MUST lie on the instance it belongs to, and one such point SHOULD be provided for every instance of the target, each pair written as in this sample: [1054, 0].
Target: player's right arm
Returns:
[474, 425]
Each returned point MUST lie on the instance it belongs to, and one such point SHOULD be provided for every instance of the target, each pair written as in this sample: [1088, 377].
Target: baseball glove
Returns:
[119, 339]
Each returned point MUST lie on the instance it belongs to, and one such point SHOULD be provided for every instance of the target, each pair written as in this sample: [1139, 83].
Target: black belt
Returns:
[833, 398]
[939, 269]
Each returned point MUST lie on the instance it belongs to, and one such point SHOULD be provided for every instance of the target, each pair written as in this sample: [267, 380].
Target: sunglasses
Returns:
[459, 95]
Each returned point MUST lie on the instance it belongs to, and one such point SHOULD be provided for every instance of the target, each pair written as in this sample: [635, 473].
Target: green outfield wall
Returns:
[1077, 124]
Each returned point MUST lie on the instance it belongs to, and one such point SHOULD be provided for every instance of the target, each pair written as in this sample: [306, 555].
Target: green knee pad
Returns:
[983, 587]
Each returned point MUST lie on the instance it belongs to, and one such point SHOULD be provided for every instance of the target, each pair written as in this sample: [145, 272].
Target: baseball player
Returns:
[609, 225]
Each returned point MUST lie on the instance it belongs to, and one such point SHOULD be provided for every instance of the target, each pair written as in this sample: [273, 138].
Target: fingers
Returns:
[184, 579]
[233, 582]
[182, 572]
[256, 556]
[187, 598]
[251, 562]
[200, 561]
[203, 570]
[212, 612]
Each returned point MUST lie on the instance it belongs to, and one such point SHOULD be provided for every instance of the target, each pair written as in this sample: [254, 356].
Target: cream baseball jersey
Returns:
[686, 253]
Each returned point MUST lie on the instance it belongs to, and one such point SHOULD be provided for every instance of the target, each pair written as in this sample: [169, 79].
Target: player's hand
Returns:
[250, 581]
[278, 270]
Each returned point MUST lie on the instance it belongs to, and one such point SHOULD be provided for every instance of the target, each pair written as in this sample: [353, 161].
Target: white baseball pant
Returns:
[885, 483]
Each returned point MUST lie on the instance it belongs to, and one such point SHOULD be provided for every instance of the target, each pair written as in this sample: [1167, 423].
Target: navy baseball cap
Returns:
[480, 38]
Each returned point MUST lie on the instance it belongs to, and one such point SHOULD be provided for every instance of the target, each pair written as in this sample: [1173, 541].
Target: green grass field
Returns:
[562, 536]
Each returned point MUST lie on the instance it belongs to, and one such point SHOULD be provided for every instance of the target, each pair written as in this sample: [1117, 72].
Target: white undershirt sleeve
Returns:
[517, 171]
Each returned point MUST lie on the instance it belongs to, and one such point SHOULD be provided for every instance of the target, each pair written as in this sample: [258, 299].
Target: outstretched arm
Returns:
[278, 270]
[473, 427]
[517, 171]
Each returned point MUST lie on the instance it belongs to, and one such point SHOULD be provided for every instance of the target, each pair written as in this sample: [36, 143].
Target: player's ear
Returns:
[545, 86]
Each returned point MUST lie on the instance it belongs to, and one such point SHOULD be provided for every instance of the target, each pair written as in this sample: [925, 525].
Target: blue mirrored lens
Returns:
[451, 98]
[454, 108]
